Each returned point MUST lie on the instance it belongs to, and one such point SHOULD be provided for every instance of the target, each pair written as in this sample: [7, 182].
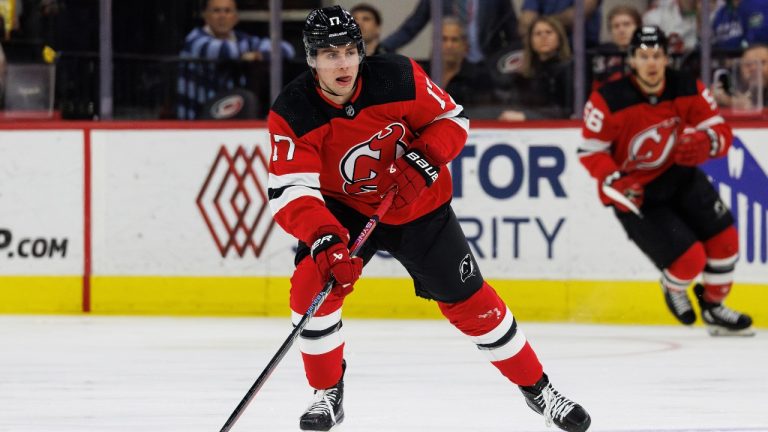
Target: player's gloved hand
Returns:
[331, 256]
[411, 174]
[617, 185]
[694, 148]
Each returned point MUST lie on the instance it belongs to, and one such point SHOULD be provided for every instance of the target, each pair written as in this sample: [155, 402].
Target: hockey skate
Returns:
[680, 305]
[556, 408]
[722, 321]
[326, 409]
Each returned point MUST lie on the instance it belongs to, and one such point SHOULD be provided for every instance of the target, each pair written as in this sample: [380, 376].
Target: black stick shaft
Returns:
[316, 303]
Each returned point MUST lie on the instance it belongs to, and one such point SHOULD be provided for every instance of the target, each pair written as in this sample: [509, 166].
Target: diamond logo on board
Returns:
[233, 201]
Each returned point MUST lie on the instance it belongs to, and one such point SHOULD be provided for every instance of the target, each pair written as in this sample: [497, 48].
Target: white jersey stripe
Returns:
[293, 186]
[592, 145]
[708, 123]
[307, 179]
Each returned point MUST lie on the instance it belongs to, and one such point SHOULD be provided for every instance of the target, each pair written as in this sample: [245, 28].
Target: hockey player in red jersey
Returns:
[344, 134]
[644, 137]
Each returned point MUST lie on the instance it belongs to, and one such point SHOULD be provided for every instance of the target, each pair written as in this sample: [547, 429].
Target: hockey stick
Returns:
[622, 199]
[313, 307]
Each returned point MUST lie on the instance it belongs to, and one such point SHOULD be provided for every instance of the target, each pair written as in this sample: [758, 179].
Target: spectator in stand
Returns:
[678, 19]
[468, 83]
[489, 28]
[740, 23]
[609, 63]
[217, 40]
[749, 91]
[564, 12]
[545, 83]
[368, 18]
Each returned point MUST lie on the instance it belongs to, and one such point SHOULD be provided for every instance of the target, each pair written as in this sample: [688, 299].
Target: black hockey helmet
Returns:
[648, 37]
[331, 26]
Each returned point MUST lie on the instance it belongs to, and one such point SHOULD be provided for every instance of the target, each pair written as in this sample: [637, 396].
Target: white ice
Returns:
[106, 374]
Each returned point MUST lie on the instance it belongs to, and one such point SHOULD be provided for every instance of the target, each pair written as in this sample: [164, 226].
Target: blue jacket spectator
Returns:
[740, 23]
[215, 51]
[563, 11]
[489, 28]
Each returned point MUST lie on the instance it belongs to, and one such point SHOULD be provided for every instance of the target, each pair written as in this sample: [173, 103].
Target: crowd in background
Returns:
[510, 60]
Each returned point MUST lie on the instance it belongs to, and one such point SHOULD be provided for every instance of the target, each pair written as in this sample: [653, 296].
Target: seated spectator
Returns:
[747, 91]
[740, 23]
[489, 28]
[564, 12]
[217, 40]
[678, 19]
[544, 85]
[369, 20]
[468, 83]
[609, 62]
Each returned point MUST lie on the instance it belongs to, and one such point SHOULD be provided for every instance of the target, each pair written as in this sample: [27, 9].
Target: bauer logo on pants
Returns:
[233, 201]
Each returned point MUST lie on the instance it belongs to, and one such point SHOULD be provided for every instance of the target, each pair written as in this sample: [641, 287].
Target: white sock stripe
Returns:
[508, 350]
[322, 345]
[674, 283]
[498, 332]
[318, 323]
[723, 262]
[717, 278]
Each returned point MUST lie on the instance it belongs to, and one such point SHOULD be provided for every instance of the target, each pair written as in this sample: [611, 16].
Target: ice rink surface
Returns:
[97, 373]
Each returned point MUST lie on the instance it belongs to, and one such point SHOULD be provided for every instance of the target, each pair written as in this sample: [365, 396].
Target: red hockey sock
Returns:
[722, 254]
[489, 323]
[323, 371]
[679, 275]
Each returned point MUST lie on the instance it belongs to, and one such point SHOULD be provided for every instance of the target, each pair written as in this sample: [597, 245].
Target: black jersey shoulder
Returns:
[623, 93]
[385, 79]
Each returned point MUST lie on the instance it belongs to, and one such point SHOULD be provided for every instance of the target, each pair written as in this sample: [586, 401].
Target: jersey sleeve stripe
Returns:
[594, 145]
[288, 187]
[712, 121]
[455, 115]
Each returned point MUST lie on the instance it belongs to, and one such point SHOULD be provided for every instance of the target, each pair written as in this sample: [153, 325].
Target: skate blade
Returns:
[721, 331]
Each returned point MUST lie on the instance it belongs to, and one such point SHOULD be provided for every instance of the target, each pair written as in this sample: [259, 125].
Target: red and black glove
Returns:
[622, 191]
[411, 174]
[331, 256]
[694, 148]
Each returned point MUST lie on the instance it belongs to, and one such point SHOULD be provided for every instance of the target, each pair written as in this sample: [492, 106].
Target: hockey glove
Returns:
[623, 192]
[331, 256]
[695, 148]
[410, 175]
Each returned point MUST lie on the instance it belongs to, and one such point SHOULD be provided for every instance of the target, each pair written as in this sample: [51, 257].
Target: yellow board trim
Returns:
[614, 302]
[41, 294]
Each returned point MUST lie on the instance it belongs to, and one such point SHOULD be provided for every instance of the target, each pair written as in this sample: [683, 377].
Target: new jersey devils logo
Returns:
[649, 149]
[362, 162]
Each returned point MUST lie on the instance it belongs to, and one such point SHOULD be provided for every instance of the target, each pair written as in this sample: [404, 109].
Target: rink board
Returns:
[171, 218]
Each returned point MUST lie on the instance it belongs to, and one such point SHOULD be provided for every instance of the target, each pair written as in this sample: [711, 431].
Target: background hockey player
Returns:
[644, 137]
[343, 135]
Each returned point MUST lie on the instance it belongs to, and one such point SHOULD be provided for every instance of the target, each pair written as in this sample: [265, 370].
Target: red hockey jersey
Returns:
[320, 148]
[628, 130]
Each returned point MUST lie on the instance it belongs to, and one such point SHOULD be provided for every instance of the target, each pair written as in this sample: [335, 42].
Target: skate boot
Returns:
[679, 304]
[556, 408]
[722, 321]
[326, 410]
